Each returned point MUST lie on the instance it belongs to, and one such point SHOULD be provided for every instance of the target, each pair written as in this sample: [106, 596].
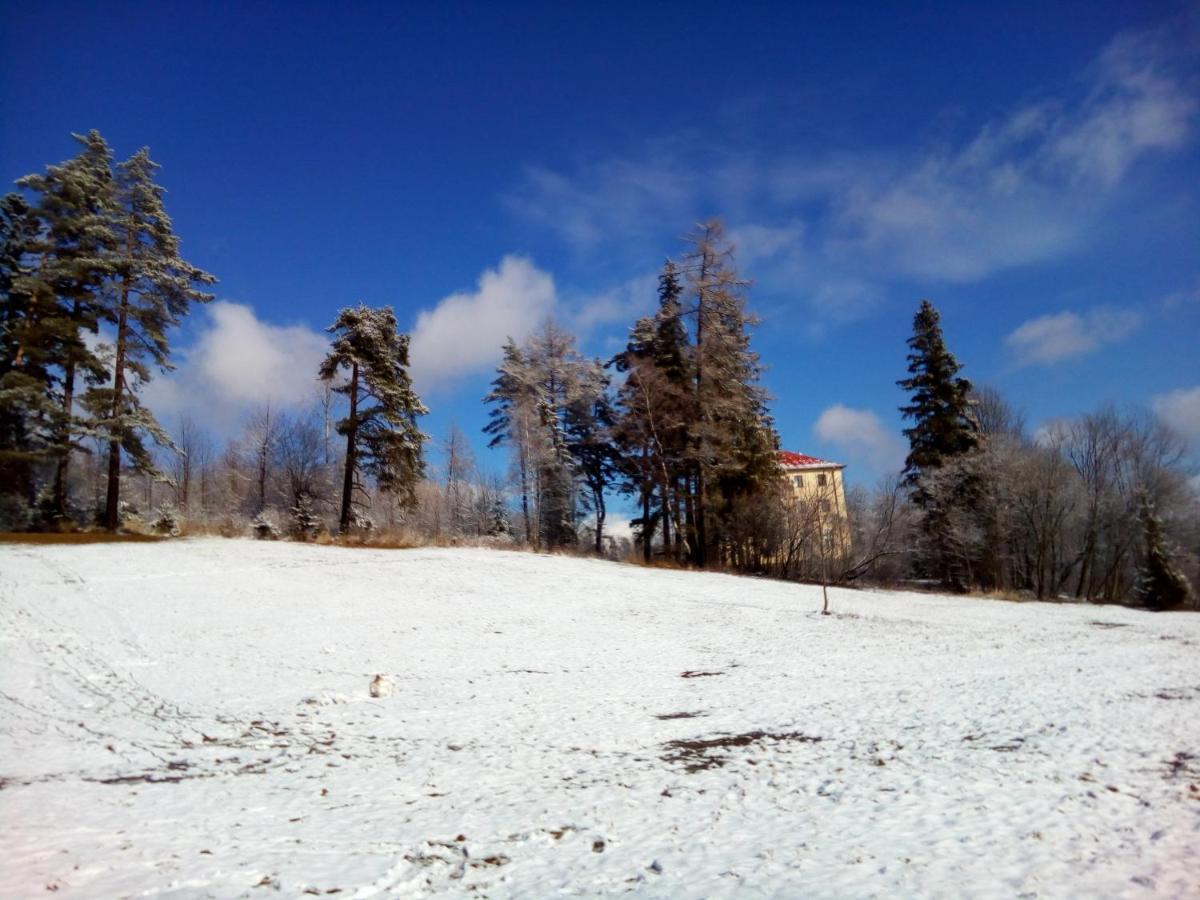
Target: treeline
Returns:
[1098, 508]
[92, 282]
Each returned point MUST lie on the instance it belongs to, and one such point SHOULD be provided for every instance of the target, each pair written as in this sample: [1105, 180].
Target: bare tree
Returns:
[458, 471]
[299, 451]
[190, 443]
[881, 531]
[994, 415]
[261, 436]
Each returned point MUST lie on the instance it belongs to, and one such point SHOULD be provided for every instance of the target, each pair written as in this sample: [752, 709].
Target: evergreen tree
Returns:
[153, 287]
[944, 430]
[669, 345]
[693, 423]
[59, 300]
[1161, 585]
[497, 517]
[382, 437]
[640, 452]
[654, 405]
[551, 406]
[944, 425]
[305, 523]
[24, 388]
[589, 422]
[513, 421]
[557, 369]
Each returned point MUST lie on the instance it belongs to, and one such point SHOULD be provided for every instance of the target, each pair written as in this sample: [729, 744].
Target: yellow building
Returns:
[817, 489]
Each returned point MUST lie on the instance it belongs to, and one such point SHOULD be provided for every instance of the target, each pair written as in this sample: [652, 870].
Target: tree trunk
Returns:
[525, 500]
[62, 469]
[112, 511]
[666, 517]
[600, 516]
[351, 440]
[647, 531]
[689, 500]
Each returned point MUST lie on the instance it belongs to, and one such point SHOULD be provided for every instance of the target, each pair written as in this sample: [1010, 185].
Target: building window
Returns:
[824, 506]
[821, 480]
[798, 480]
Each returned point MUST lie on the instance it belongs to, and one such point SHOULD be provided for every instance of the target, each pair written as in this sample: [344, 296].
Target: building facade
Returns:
[818, 489]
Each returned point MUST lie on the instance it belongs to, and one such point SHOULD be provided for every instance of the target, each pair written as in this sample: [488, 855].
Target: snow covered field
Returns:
[192, 719]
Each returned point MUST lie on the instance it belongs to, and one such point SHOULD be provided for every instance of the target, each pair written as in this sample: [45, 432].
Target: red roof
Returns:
[790, 460]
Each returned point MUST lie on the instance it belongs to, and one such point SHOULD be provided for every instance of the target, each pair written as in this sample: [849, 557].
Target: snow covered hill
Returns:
[192, 719]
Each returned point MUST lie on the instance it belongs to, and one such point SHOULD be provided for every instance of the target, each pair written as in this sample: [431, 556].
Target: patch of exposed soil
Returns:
[1183, 693]
[700, 754]
[1182, 764]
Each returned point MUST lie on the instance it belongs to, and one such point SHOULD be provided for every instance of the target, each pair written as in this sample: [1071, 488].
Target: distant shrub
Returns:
[166, 522]
[305, 524]
[44, 517]
[263, 528]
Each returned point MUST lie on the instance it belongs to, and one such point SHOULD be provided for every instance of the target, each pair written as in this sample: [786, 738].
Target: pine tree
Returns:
[60, 300]
[654, 407]
[24, 387]
[943, 423]
[557, 369]
[1161, 585]
[551, 407]
[153, 288]
[382, 437]
[305, 523]
[944, 431]
[497, 518]
[588, 425]
[513, 421]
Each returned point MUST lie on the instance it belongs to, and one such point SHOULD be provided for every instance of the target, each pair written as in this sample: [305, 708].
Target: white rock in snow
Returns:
[381, 686]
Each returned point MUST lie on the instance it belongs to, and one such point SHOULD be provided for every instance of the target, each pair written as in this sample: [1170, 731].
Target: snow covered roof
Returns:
[790, 460]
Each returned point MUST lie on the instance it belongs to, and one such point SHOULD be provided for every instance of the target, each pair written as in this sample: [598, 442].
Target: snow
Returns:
[194, 719]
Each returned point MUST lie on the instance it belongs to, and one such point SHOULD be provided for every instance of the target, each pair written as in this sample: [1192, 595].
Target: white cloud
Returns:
[1026, 186]
[622, 304]
[618, 526]
[1182, 298]
[235, 363]
[1180, 409]
[463, 334]
[1029, 185]
[1134, 107]
[862, 436]
[1054, 338]
[618, 196]
[753, 242]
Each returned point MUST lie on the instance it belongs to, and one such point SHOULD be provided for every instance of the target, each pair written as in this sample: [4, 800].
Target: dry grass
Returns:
[634, 558]
[75, 537]
[373, 541]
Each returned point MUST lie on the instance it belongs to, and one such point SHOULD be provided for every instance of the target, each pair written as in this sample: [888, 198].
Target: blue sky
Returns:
[1032, 168]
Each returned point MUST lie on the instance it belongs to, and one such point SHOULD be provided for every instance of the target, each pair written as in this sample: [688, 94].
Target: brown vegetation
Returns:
[75, 537]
